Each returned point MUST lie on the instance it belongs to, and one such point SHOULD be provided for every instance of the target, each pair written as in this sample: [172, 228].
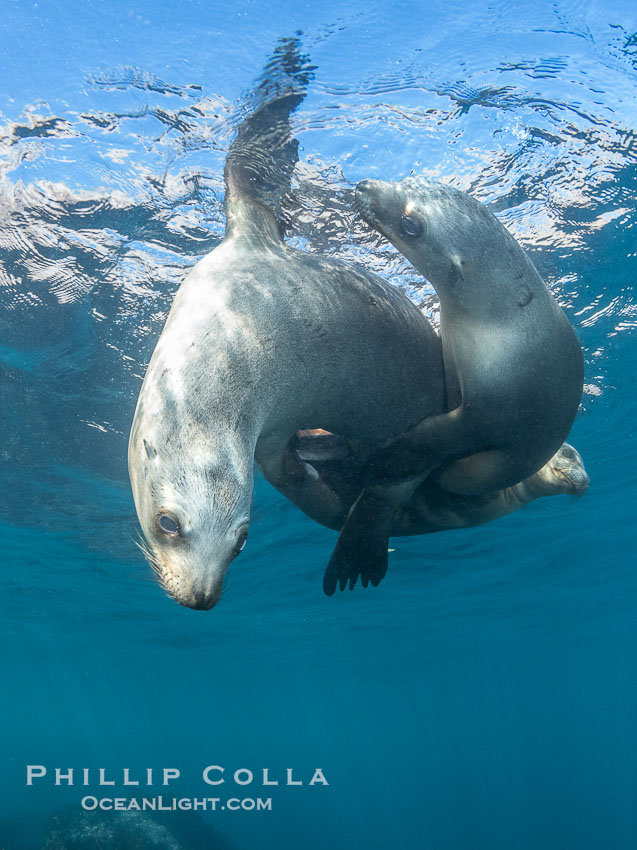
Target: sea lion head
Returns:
[453, 240]
[192, 500]
[563, 473]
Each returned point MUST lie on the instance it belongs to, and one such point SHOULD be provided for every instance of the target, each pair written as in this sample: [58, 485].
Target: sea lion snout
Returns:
[197, 598]
[203, 601]
[363, 199]
[577, 480]
[365, 186]
[186, 580]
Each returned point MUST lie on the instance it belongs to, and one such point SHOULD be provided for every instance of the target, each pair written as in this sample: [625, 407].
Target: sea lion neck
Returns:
[246, 217]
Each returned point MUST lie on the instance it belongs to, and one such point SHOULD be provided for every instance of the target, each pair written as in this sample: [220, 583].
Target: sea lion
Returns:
[434, 508]
[431, 507]
[262, 341]
[513, 365]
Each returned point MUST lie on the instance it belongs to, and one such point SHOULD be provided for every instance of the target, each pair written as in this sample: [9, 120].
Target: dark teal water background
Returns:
[484, 697]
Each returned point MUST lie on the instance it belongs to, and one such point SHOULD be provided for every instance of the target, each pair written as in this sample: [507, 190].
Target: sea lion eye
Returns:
[239, 546]
[410, 227]
[168, 524]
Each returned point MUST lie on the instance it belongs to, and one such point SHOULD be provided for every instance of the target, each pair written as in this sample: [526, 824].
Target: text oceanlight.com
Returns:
[174, 804]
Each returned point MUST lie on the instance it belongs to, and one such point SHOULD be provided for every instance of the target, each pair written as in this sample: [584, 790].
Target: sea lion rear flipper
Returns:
[263, 155]
[362, 546]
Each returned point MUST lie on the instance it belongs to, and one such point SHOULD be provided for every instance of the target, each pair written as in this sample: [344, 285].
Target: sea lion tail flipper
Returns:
[362, 547]
[263, 154]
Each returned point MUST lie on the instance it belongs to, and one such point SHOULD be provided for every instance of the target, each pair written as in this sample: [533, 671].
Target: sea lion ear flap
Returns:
[151, 451]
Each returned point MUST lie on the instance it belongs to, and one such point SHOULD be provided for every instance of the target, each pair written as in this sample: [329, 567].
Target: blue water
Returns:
[484, 697]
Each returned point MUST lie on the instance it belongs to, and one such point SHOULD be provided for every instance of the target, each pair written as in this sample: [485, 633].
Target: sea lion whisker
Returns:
[150, 558]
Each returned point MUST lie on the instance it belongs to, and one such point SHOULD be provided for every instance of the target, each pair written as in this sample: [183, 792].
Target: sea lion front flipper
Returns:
[362, 546]
[431, 443]
[316, 445]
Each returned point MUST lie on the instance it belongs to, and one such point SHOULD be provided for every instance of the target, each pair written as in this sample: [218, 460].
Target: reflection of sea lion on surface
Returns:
[263, 341]
[513, 365]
